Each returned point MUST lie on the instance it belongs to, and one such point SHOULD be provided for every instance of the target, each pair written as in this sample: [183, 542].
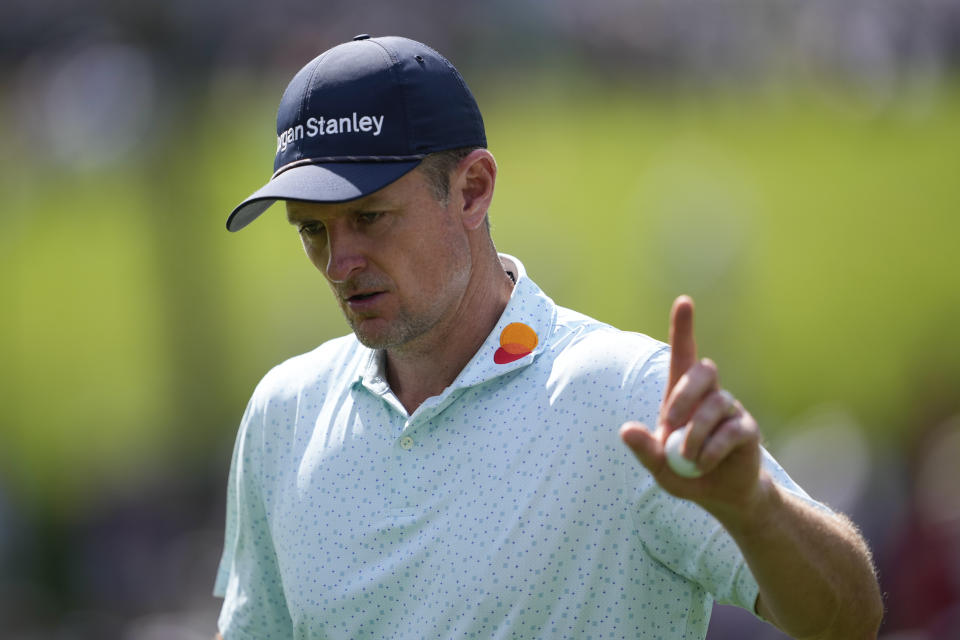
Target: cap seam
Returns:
[347, 159]
[397, 79]
[308, 90]
[477, 119]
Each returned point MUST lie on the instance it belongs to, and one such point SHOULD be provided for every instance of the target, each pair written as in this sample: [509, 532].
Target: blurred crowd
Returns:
[127, 68]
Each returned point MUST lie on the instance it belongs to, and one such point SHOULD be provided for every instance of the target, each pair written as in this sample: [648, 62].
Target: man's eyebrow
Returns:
[297, 213]
[372, 201]
[291, 217]
[296, 216]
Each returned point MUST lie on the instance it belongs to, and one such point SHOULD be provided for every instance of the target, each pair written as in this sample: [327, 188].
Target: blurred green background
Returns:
[809, 209]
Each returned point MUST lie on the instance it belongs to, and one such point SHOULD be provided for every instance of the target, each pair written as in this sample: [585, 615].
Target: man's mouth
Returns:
[364, 301]
[362, 296]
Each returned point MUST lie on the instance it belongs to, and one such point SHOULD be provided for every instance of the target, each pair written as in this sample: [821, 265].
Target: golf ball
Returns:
[680, 465]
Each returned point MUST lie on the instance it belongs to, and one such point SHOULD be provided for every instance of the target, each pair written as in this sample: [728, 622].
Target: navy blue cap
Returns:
[358, 117]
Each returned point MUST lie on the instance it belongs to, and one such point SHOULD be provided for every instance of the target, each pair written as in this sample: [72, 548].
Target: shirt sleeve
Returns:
[248, 577]
[681, 535]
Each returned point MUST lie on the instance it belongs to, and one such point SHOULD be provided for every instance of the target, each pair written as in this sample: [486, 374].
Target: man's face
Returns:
[398, 261]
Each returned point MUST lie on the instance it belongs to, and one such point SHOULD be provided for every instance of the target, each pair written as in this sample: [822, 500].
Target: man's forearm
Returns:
[815, 573]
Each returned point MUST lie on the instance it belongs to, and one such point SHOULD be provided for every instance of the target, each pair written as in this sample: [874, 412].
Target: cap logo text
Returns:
[330, 126]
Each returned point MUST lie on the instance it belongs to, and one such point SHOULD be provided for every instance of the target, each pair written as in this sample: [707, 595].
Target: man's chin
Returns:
[374, 333]
[379, 333]
[373, 342]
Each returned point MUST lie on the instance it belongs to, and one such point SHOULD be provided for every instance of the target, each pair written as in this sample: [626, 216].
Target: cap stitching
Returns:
[329, 159]
[397, 78]
[477, 118]
[308, 90]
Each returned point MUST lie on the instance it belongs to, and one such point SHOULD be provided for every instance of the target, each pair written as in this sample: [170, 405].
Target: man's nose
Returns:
[346, 254]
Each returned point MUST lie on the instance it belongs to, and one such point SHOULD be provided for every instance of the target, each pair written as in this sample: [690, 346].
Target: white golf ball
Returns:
[680, 465]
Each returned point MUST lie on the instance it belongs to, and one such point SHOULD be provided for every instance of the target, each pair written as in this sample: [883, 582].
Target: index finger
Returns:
[683, 346]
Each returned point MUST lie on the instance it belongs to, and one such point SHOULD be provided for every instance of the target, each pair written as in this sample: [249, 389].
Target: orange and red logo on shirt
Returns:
[516, 341]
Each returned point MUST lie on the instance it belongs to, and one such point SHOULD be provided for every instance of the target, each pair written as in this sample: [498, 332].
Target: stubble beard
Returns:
[400, 328]
[403, 329]
[408, 325]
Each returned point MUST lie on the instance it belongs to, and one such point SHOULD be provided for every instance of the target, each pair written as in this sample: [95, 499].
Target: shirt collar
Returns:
[372, 372]
[532, 314]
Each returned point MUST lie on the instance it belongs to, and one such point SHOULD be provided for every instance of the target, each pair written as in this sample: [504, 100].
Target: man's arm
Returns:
[814, 570]
[817, 558]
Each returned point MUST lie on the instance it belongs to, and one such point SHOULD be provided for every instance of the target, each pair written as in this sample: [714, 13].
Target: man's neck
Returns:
[420, 371]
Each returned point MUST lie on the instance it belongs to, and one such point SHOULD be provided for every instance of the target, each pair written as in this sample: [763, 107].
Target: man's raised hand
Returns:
[721, 437]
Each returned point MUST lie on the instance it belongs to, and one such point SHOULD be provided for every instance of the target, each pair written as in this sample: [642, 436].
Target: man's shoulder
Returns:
[333, 360]
[583, 337]
[590, 364]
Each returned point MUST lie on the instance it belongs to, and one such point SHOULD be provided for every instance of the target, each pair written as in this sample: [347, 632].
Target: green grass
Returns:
[818, 240]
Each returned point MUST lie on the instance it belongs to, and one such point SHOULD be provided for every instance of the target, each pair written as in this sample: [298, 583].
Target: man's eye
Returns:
[311, 228]
[368, 217]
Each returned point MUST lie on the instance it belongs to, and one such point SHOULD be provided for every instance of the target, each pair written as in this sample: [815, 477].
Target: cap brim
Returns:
[334, 182]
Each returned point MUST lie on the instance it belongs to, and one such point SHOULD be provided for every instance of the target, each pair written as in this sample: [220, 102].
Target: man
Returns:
[456, 467]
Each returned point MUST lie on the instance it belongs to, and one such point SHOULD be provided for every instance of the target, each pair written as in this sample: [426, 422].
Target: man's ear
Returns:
[473, 181]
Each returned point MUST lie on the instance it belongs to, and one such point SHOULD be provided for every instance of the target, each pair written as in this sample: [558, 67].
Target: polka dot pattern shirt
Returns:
[504, 507]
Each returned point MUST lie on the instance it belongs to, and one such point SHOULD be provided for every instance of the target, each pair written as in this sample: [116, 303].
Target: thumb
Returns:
[644, 444]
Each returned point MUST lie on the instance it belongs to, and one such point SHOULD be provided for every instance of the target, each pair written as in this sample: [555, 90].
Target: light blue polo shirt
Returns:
[507, 506]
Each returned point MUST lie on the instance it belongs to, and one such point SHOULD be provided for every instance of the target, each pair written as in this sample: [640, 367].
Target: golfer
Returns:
[473, 460]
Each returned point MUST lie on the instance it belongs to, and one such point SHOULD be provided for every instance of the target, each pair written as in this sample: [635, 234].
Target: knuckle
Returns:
[711, 454]
[733, 427]
[717, 402]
